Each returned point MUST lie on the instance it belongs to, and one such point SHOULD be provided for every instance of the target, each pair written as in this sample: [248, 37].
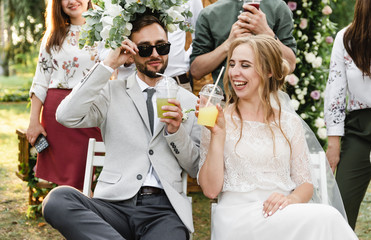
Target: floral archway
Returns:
[314, 33]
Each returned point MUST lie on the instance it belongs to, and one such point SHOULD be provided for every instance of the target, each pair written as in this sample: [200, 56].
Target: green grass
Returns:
[15, 82]
[14, 193]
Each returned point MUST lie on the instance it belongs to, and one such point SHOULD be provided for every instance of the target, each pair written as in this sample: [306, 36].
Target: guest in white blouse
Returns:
[61, 65]
[256, 157]
[348, 122]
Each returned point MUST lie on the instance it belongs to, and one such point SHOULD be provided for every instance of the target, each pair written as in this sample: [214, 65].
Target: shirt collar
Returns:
[143, 86]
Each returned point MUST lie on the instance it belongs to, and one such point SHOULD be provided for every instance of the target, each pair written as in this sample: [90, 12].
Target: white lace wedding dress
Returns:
[255, 168]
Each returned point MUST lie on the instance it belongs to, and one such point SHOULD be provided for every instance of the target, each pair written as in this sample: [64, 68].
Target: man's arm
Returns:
[87, 104]
[255, 21]
[208, 62]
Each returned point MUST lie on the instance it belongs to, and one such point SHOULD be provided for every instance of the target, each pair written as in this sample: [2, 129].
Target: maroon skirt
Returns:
[63, 162]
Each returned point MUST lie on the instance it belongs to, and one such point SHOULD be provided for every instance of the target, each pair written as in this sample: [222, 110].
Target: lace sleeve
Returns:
[205, 142]
[300, 158]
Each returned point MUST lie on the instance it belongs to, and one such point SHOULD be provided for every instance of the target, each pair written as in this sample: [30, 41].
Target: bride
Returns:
[256, 157]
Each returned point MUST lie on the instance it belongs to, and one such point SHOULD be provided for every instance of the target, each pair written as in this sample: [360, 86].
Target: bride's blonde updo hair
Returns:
[272, 70]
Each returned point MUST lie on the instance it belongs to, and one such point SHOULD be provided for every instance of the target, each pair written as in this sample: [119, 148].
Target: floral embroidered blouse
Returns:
[345, 81]
[65, 68]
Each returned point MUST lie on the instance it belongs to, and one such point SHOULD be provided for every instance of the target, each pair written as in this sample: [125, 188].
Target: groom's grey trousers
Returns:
[145, 217]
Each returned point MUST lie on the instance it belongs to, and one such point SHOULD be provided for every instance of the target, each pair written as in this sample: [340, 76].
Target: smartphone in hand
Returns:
[41, 143]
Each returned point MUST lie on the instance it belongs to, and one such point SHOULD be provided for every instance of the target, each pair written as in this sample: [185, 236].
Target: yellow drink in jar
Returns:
[207, 116]
[162, 102]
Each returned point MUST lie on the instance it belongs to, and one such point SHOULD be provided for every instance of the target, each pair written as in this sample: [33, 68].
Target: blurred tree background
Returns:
[342, 13]
[22, 26]
[316, 23]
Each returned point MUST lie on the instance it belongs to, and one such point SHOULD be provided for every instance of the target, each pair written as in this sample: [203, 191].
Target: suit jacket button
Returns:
[176, 151]
[139, 177]
[172, 144]
[150, 152]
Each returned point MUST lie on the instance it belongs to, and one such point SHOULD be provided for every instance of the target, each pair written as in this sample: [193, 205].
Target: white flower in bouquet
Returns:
[185, 113]
[112, 10]
[107, 21]
[105, 32]
[175, 14]
[295, 104]
[319, 122]
[317, 62]
[322, 133]
[171, 27]
[304, 38]
[304, 116]
[310, 57]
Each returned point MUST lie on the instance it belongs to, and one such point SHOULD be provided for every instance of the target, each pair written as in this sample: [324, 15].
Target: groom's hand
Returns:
[175, 112]
[121, 55]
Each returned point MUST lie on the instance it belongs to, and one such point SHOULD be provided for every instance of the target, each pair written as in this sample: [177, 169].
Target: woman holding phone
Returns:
[61, 65]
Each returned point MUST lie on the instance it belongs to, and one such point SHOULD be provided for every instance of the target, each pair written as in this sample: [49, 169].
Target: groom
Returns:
[139, 191]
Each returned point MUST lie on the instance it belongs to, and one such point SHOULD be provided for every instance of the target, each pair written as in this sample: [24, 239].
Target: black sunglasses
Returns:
[146, 50]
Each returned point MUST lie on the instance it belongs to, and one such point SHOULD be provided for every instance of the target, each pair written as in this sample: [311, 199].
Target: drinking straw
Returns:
[216, 84]
[167, 84]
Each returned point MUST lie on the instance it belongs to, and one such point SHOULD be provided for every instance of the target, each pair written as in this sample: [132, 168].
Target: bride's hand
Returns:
[274, 202]
[220, 120]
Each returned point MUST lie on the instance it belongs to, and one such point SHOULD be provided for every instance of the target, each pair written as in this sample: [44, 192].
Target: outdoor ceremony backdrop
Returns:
[22, 26]
[21, 29]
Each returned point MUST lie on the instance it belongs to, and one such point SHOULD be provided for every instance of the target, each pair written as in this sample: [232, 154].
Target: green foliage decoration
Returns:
[314, 34]
[110, 21]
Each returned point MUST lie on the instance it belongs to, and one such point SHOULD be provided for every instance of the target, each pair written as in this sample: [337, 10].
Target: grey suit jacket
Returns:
[119, 109]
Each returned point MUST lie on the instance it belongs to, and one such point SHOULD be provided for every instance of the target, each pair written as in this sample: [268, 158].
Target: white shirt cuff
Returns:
[107, 67]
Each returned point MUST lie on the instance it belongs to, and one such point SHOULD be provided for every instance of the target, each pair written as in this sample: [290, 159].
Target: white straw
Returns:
[216, 84]
[167, 84]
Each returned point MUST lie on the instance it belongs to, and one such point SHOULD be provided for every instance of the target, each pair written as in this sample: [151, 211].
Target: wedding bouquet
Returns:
[110, 21]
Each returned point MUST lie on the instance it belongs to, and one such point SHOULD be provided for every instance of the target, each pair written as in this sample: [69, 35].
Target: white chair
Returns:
[318, 161]
[94, 160]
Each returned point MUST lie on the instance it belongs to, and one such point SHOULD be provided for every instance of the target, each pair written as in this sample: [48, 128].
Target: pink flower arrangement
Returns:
[292, 5]
[327, 10]
[292, 79]
[329, 39]
[303, 23]
[315, 94]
